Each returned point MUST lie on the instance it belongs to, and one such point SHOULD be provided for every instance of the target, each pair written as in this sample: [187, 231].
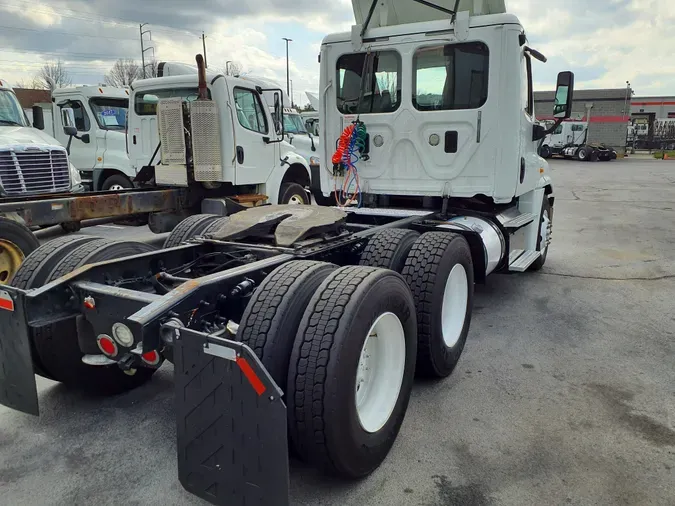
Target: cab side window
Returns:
[250, 112]
[81, 118]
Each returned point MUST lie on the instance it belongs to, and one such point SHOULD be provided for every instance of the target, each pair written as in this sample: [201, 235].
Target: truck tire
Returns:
[439, 271]
[189, 228]
[57, 345]
[272, 317]
[293, 193]
[16, 243]
[582, 154]
[545, 151]
[389, 249]
[348, 391]
[36, 268]
[545, 226]
[117, 182]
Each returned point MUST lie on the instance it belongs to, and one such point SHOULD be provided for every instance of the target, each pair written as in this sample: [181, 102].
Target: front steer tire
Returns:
[16, 243]
[439, 271]
[57, 345]
[323, 420]
[271, 319]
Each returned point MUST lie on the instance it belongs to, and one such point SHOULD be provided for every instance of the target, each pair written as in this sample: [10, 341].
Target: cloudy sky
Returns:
[605, 42]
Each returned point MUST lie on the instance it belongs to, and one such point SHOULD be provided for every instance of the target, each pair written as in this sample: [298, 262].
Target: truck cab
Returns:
[31, 161]
[243, 149]
[449, 112]
[98, 150]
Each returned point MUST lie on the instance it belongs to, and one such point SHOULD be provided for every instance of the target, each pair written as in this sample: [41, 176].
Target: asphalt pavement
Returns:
[565, 394]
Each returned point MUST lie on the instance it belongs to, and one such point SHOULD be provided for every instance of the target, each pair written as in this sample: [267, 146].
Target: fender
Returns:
[272, 186]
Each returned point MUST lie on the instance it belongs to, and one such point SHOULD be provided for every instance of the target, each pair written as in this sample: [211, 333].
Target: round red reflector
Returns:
[107, 345]
[151, 357]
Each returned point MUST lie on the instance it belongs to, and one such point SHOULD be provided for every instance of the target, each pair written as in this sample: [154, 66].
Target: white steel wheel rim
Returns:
[116, 188]
[296, 200]
[379, 375]
[582, 154]
[455, 302]
[545, 225]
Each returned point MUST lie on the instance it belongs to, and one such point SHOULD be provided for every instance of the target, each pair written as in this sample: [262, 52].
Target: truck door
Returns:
[82, 155]
[256, 158]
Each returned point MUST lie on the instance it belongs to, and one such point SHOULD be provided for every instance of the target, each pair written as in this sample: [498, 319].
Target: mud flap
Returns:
[18, 389]
[231, 423]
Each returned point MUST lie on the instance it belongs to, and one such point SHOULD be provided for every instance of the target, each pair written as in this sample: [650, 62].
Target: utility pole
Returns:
[143, 48]
[288, 68]
[626, 110]
[204, 44]
[292, 97]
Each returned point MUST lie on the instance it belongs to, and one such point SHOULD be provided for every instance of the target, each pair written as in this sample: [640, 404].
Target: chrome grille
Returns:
[34, 171]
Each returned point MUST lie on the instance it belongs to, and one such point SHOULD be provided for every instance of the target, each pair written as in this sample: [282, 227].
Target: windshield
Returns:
[293, 124]
[10, 110]
[110, 113]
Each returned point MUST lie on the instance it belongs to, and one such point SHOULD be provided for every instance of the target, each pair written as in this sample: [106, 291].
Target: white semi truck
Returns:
[305, 326]
[252, 154]
[99, 148]
[570, 140]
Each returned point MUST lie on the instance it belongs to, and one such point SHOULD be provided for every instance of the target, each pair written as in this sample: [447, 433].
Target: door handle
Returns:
[240, 155]
[522, 170]
[134, 140]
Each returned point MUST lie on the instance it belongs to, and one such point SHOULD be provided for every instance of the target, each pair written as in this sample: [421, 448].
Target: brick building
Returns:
[29, 97]
[608, 113]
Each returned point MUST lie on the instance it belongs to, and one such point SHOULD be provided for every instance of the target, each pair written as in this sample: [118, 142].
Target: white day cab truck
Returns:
[570, 141]
[305, 326]
[32, 164]
[99, 147]
[250, 152]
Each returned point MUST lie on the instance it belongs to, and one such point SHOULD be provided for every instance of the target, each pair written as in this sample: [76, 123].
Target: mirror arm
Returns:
[541, 134]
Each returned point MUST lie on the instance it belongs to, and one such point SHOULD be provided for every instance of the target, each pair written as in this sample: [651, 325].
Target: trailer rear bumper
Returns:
[231, 423]
[18, 389]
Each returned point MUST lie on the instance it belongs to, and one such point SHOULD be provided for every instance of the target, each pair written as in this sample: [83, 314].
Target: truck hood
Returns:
[25, 136]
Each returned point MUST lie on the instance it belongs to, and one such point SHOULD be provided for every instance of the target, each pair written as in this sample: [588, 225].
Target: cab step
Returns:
[520, 221]
[521, 260]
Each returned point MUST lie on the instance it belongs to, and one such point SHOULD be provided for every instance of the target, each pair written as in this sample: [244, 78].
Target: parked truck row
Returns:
[296, 327]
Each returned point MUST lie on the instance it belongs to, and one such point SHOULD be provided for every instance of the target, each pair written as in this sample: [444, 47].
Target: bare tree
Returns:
[232, 68]
[52, 76]
[151, 69]
[124, 72]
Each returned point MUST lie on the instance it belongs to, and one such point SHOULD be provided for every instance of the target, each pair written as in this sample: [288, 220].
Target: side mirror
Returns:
[277, 114]
[564, 96]
[85, 138]
[68, 120]
[38, 118]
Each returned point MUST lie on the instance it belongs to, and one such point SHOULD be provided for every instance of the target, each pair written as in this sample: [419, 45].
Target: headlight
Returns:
[314, 160]
[75, 177]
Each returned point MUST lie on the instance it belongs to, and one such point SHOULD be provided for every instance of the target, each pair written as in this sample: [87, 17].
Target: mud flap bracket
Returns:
[231, 423]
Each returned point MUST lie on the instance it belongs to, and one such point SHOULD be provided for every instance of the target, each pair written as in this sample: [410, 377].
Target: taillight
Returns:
[107, 345]
[151, 357]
